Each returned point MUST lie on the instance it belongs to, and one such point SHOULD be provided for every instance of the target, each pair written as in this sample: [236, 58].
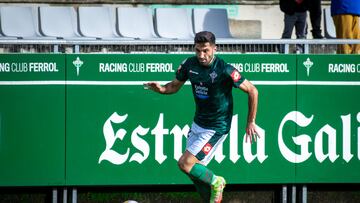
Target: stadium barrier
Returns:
[68, 106]
[68, 117]
[237, 46]
[251, 2]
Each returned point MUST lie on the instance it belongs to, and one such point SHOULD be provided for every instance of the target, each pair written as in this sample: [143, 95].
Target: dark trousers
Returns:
[315, 18]
[297, 20]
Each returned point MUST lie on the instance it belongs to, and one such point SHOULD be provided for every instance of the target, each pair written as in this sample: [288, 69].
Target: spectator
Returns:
[315, 18]
[345, 14]
[294, 16]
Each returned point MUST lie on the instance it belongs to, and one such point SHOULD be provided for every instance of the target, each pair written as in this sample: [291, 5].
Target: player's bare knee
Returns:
[181, 164]
[184, 164]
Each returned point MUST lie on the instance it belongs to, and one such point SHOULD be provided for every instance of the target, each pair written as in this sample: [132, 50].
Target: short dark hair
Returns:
[204, 36]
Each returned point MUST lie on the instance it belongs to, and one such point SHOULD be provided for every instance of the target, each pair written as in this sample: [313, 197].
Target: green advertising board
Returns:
[32, 119]
[328, 119]
[270, 74]
[106, 129]
[114, 126]
[137, 136]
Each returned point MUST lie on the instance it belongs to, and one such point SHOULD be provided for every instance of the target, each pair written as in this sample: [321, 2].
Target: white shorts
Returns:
[202, 143]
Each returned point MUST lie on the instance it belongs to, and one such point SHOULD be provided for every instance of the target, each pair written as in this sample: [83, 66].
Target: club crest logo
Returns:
[308, 64]
[78, 63]
[213, 75]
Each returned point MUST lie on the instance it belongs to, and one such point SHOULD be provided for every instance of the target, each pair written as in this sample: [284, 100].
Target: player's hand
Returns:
[154, 86]
[251, 133]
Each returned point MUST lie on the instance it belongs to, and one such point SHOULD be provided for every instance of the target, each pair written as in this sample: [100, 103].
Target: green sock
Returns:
[202, 188]
[200, 172]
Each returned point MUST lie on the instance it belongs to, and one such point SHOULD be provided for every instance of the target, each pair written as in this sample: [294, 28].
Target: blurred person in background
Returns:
[345, 14]
[315, 18]
[294, 16]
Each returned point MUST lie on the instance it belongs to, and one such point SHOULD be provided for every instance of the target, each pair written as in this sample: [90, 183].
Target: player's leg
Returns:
[202, 188]
[189, 164]
[218, 183]
[199, 174]
[200, 179]
[188, 160]
[197, 142]
[201, 145]
[209, 186]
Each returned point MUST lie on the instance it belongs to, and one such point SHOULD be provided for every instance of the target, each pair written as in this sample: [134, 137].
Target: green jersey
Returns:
[212, 89]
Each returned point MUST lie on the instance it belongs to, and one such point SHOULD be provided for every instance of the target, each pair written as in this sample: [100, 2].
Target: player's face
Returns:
[205, 52]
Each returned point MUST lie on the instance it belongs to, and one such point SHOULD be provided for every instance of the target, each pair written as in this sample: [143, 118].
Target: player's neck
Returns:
[211, 62]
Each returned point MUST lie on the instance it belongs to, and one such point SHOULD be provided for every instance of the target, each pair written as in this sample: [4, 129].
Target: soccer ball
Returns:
[130, 201]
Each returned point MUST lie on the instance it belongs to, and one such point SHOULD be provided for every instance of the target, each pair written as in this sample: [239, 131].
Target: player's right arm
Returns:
[173, 86]
[169, 88]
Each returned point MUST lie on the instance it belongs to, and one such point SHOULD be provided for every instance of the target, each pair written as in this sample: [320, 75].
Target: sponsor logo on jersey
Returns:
[235, 75]
[207, 148]
[201, 91]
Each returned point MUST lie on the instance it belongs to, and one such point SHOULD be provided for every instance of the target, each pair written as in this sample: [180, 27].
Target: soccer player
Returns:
[212, 81]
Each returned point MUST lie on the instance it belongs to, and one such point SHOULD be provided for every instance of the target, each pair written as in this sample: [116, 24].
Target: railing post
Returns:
[293, 194]
[306, 49]
[284, 194]
[304, 194]
[56, 48]
[65, 195]
[286, 48]
[76, 48]
[54, 195]
[74, 195]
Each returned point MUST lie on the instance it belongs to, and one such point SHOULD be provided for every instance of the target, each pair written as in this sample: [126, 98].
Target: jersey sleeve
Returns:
[234, 75]
[182, 73]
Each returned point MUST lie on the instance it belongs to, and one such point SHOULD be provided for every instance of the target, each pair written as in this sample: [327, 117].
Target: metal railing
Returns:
[146, 1]
[134, 2]
[271, 46]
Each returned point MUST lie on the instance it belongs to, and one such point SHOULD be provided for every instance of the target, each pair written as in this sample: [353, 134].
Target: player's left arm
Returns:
[252, 92]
